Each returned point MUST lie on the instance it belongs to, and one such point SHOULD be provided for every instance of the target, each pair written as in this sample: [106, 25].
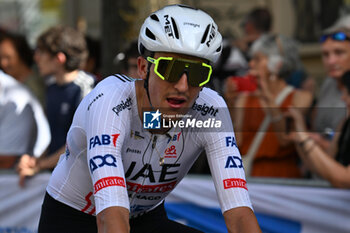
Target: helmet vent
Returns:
[150, 34]
[154, 17]
[219, 49]
[176, 32]
[205, 34]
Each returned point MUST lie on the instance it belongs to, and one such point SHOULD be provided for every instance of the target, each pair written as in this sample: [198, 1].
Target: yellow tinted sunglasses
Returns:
[171, 69]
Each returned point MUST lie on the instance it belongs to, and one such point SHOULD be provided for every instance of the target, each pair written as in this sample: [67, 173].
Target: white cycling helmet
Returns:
[181, 29]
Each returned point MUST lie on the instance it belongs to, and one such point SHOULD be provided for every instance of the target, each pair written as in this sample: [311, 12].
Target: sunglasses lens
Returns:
[165, 67]
[172, 70]
[323, 38]
[196, 73]
[199, 75]
[339, 36]
[177, 71]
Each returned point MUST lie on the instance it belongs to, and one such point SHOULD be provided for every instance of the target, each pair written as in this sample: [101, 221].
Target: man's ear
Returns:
[142, 67]
[61, 57]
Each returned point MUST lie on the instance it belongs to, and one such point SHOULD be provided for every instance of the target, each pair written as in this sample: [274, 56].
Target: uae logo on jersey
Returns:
[151, 120]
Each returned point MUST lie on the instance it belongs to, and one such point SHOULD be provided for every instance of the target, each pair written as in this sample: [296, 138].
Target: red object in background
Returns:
[244, 83]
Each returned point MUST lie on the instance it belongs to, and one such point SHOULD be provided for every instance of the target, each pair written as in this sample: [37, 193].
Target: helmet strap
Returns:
[145, 84]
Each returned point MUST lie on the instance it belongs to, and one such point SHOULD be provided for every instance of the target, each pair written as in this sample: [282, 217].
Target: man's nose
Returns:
[332, 59]
[182, 84]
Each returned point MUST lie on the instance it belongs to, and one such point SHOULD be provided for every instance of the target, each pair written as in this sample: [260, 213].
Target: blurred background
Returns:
[116, 23]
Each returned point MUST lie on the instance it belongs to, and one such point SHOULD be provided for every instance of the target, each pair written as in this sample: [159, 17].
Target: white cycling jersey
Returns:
[111, 160]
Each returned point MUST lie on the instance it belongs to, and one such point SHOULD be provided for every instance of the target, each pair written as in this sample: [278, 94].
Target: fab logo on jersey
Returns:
[104, 139]
[175, 137]
[230, 141]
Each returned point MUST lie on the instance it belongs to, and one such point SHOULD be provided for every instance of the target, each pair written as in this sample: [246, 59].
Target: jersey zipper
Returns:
[154, 142]
[161, 159]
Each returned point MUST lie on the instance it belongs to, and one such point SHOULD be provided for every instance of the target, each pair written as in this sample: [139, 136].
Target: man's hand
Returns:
[113, 220]
[242, 220]
[27, 166]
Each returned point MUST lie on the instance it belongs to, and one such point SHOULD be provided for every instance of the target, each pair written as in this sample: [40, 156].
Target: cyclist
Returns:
[115, 174]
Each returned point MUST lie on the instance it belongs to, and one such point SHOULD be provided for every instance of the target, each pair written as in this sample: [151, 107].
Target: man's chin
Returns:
[45, 74]
[336, 74]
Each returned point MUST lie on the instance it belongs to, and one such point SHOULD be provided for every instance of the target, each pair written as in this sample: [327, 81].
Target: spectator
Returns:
[16, 59]
[93, 62]
[234, 59]
[330, 109]
[59, 54]
[258, 22]
[23, 126]
[260, 127]
[334, 165]
[130, 64]
[128, 60]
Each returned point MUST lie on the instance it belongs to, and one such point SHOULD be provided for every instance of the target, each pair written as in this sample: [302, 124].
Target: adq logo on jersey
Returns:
[102, 160]
[151, 120]
[234, 162]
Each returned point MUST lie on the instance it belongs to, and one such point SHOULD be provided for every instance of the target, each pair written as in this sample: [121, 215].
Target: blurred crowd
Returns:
[284, 129]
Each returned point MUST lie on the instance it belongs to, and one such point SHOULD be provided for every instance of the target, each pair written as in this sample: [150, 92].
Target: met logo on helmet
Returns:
[168, 28]
[211, 35]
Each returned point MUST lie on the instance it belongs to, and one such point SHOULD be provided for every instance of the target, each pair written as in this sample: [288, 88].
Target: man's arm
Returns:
[50, 161]
[113, 220]
[241, 219]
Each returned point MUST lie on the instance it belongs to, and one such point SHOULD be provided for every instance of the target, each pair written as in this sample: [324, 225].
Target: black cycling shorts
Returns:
[57, 217]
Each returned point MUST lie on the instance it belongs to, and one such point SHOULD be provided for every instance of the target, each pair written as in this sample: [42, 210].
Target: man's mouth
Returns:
[333, 69]
[176, 102]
